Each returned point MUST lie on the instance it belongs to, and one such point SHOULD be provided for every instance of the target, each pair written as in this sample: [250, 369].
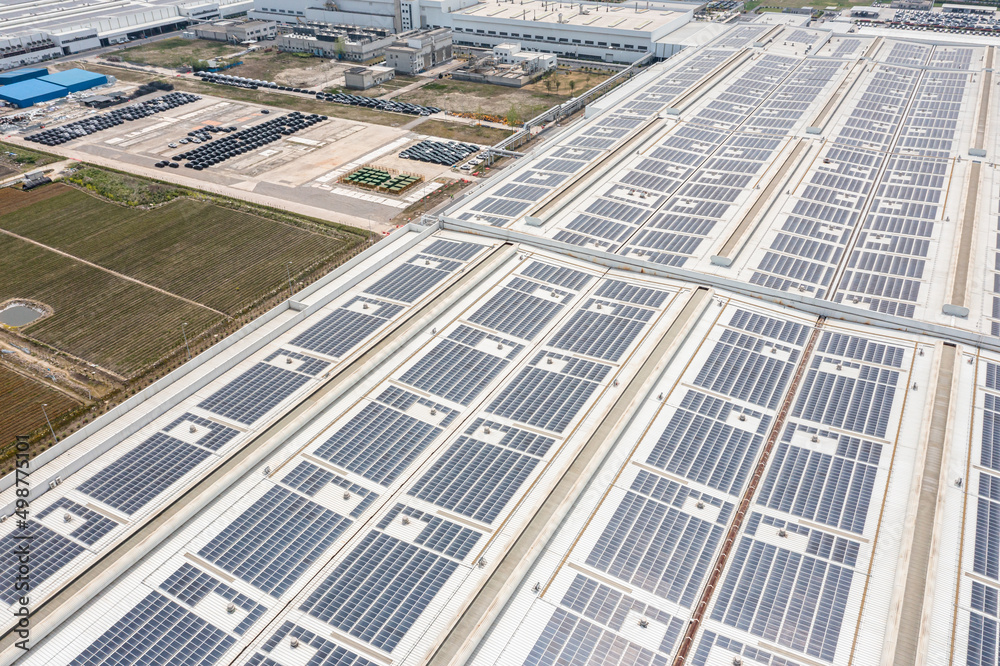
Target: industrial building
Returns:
[363, 78]
[14, 76]
[43, 87]
[32, 91]
[705, 378]
[596, 30]
[343, 42]
[32, 32]
[419, 50]
[235, 32]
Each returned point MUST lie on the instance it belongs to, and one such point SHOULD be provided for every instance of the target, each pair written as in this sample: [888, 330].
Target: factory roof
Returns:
[623, 16]
[690, 383]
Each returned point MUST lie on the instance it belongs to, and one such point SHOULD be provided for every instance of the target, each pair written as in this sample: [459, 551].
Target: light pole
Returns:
[184, 333]
[288, 274]
[44, 405]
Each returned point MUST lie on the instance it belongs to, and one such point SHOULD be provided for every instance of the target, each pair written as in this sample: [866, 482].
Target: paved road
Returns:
[177, 177]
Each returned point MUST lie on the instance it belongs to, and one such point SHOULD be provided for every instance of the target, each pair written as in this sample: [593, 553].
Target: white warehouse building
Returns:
[592, 30]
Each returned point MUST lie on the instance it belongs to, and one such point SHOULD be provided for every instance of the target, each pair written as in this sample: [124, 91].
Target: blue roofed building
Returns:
[75, 80]
[33, 91]
[24, 74]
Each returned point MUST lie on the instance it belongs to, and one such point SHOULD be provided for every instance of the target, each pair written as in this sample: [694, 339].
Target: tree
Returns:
[513, 117]
[558, 83]
[339, 48]
[572, 86]
[548, 84]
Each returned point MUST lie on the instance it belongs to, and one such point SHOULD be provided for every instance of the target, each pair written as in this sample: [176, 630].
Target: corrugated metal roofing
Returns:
[32, 91]
[76, 80]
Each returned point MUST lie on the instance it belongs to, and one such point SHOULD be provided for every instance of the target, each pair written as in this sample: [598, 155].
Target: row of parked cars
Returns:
[60, 135]
[243, 82]
[378, 104]
[448, 153]
[236, 143]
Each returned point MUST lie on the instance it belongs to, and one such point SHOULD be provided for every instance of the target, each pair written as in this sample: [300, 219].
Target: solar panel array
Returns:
[886, 174]
[381, 587]
[140, 476]
[413, 279]
[342, 330]
[656, 532]
[191, 586]
[327, 653]
[983, 644]
[788, 583]
[476, 478]
[273, 542]
[49, 552]
[572, 156]
[157, 631]
[672, 198]
[381, 440]
[585, 629]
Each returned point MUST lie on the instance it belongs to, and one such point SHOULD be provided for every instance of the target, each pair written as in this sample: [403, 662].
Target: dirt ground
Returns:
[526, 102]
[457, 132]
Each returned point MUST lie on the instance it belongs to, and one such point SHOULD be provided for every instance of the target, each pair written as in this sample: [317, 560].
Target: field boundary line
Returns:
[108, 270]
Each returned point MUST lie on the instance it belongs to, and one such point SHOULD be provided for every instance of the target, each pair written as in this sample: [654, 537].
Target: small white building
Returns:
[363, 78]
[531, 62]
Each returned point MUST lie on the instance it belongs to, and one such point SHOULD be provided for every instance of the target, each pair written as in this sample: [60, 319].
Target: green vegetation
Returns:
[480, 134]
[132, 277]
[25, 157]
[124, 189]
[175, 52]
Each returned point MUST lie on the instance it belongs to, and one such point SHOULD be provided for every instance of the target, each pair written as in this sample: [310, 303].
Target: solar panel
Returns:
[380, 589]
[549, 399]
[456, 369]
[92, 526]
[439, 535]
[254, 393]
[138, 477]
[700, 442]
[460, 251]
[327, 653]
[651, 544]
[605, 335]
[520, 309]
[49, 552]
[275, 540]
[413, 279]
[793, 599]
[983, 634]
[834, 490]
[310, 479]
[190, 586]
[986, 558]
[157, 631]
[834, 398]
[569, 639]
[748, 368]
[477, 479]
[344, 328]
[378, 443]
[557, 275]
[217, 436]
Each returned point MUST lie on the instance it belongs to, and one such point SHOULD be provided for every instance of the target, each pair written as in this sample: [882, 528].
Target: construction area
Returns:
[705, 378]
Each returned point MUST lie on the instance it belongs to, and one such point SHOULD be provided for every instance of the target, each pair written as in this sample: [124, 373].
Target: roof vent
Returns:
[192, 428]
[643, 622]
[347, 495]
[68, 518]
[294, 642]
[231, 608]
[782, 533]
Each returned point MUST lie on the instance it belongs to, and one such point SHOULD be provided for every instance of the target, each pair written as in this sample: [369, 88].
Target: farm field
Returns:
[20, 410]
[189, 260]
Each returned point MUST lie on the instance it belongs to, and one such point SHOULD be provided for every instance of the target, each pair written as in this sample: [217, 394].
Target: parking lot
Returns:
[301, 166]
